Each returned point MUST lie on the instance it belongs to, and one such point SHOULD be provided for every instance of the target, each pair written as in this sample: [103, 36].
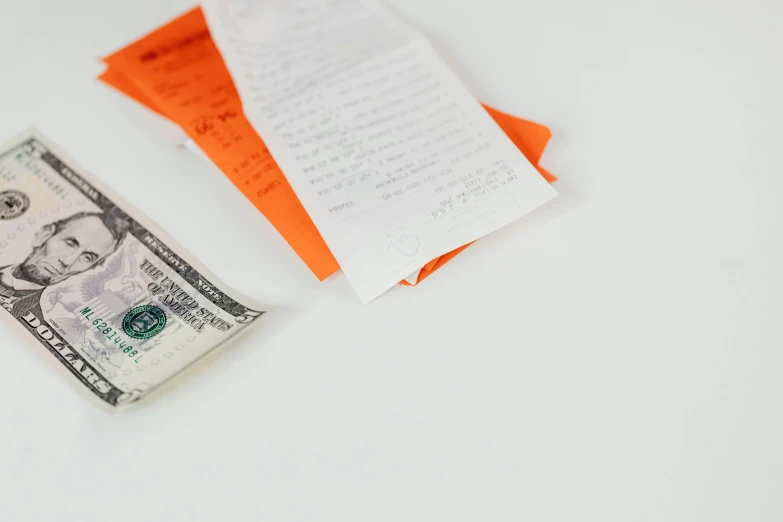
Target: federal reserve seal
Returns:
[13, 204]
[144, 322]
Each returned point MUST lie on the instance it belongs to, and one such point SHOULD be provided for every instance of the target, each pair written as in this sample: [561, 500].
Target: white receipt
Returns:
[391, 156]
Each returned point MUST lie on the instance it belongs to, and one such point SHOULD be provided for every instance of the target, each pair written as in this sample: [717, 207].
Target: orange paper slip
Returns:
[177, 72]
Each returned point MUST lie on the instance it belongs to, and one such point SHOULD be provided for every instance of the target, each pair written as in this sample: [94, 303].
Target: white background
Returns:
[616, 356]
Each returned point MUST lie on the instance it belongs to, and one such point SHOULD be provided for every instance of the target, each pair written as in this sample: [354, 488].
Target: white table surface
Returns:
[616, 356]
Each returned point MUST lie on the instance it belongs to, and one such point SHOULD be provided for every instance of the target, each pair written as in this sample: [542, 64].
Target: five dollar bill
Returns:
[95, 287]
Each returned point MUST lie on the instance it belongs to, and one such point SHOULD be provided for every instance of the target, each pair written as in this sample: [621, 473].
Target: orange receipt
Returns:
[178, 72]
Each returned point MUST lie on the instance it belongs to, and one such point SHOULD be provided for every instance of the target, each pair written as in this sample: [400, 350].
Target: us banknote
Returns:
[95, 287]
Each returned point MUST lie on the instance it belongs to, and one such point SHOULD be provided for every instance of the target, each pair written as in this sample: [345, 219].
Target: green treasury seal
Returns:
[144, 322]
